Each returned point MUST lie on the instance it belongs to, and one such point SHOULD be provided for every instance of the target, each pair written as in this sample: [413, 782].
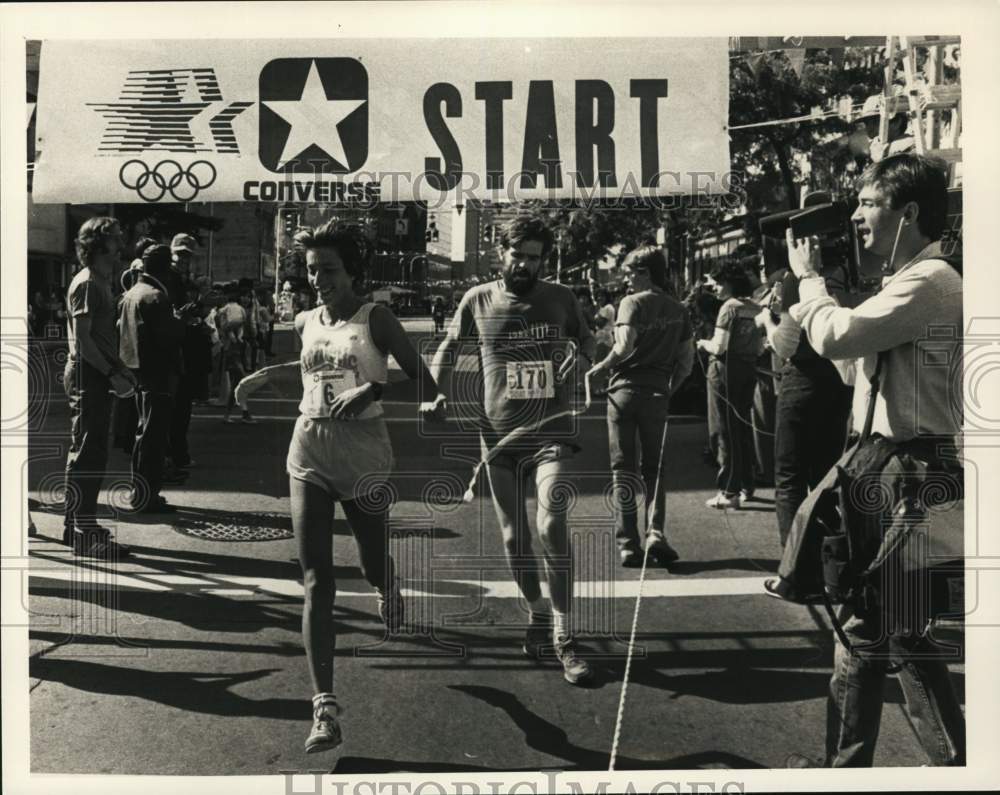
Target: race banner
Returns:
[374, 120]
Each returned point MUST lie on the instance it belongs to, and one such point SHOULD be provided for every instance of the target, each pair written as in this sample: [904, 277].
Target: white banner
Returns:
[375, 120]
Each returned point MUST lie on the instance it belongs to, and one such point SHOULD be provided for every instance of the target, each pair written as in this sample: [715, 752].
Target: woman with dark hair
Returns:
[733, 352]
[340, 450]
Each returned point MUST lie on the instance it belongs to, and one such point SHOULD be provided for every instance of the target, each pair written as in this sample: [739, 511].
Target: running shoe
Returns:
[746, 495]
[538, 635]
[576, 670]
[391, 608]
[325, 734]
[248, 418]
[96, 542]
[721, 501]
[659, 550]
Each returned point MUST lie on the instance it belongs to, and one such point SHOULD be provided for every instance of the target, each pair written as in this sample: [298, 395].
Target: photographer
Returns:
[901, 217]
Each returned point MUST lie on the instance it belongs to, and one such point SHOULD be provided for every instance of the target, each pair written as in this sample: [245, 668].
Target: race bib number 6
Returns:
[326, 386]
[530, 380]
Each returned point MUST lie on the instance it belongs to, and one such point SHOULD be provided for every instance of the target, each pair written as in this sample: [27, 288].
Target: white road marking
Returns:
[234, 585]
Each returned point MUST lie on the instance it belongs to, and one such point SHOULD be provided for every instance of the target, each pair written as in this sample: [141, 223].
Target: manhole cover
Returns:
[239, 527]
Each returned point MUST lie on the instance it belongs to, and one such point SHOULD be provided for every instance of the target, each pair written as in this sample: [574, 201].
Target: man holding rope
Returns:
[652, 355]
[530, 333]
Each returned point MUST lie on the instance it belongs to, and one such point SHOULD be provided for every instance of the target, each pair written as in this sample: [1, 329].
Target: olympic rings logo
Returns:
[168, 176]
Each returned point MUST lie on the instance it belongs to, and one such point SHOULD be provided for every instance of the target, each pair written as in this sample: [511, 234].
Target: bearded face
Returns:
[522, 265]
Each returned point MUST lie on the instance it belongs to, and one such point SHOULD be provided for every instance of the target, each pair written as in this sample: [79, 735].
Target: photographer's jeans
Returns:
[854, 708]
[636, 420]
[810, 431]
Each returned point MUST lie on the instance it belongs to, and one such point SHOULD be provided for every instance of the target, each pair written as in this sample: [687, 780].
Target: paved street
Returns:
[196, 638]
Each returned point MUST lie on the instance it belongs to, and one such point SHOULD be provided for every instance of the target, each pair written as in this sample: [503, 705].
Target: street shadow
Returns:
[546, 737]
[761, 565]
[405, 530]
[205, 692]
[118, 640]
[199, 610]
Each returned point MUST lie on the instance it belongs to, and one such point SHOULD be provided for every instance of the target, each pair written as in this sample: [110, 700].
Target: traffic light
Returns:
[291, 222]
[432, 234]
[488, 232]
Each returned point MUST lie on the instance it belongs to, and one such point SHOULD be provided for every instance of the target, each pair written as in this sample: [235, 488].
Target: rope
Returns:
[638, 601]
[828, 114]
[725, 400]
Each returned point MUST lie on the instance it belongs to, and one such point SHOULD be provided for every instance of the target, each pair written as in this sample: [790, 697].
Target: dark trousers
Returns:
[180, 421]
[636, 421]
[90, 425]
[126, 421]
[811, 430]
[730, 429]
[155, 408]
[269, 339]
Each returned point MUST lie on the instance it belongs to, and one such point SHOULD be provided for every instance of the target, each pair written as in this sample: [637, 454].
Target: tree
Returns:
[766, 87]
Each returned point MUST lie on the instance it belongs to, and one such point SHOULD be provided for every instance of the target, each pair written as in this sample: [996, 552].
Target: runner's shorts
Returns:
[525, 455]
[348, 459]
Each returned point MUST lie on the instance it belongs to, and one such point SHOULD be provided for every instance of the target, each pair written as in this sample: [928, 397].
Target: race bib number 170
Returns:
[530, 380]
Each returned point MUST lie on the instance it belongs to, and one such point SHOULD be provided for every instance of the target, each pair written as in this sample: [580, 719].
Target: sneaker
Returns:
[97, 543]
[228, 420]
[248, 418]
[660, 550]
[391, 608]
[576, 670]
[175, 477]
[780, 588]
[538, 635]
[796, 761]
[721, 501]
[325, 734]
[157, 505]
[631, 558]
[746, 495]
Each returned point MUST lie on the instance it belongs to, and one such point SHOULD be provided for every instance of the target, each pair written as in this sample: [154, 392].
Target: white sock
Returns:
[560, 625]
[325, 700]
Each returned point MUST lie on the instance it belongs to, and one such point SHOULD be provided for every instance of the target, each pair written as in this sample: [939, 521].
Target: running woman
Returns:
[524, 326]
[340, 450]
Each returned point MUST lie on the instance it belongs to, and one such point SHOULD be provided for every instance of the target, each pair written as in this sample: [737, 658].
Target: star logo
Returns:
[313, 115]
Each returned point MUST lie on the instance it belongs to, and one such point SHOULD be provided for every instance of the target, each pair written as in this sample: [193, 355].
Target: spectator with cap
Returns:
[195, 346]
[150, 344]
[897, 141]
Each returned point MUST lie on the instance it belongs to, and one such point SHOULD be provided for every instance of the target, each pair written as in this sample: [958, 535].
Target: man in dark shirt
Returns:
[652, 355]
[523, 327]
[151, 337]
[93, 369]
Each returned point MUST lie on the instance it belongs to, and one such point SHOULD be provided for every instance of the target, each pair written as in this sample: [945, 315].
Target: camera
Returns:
[826, 218]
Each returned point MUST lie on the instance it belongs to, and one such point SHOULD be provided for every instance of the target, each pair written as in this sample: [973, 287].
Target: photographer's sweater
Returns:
[916, 319]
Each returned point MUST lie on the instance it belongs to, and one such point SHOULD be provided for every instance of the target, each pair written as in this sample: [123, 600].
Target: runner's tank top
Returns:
[336, 358]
